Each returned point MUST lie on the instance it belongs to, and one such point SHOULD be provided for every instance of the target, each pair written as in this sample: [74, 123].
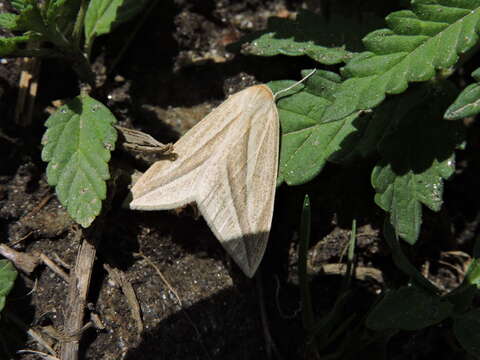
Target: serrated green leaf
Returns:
[20, 4]
[306, 142]
[309, 34]
[77, 146]
[467, 331]
[9, 45]
[467, 103]
[103, 16]
[8, 21]
[30, 19]
[62, 13]
[408, 308]
[417, 155]
[418, 42]
[8, 274]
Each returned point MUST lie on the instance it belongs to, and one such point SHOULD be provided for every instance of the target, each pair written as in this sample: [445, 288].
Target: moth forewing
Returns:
[227, 164]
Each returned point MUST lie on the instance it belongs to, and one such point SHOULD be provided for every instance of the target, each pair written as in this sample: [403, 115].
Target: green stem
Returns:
[79, 22]
[402, 262]
[349, 273]
[307, 311]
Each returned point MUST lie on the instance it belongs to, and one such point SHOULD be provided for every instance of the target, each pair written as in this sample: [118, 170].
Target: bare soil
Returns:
[173, 73]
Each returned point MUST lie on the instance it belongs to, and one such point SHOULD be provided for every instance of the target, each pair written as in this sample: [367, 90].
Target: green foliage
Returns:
[327, 40]
[20, 4]
[8, 21]
[77, 146]
[104, 15]
[9, 45]
[307, 142]
[62, 14]
[419, 41]
[417, 153]
[329, 121]
[468, 102]
[408, 308]
[8, 274]
[34, 27]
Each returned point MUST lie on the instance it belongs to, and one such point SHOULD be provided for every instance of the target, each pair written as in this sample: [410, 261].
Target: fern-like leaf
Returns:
[418, 42]
[468, 102]
[417, 155]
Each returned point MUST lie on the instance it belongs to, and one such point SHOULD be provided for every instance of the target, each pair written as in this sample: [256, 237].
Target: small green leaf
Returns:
[408, 308]
[8, 21]
[30, 19]
[62, 13]
[467, 331]
[417, 155]
[324, 39]
[306, 142]
[8, 274]
[8, 45]
[77, 146]
[20, 4]
[468, 102]
[103, 16]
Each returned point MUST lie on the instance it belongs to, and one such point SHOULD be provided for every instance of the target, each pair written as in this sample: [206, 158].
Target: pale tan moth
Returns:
[227, 164]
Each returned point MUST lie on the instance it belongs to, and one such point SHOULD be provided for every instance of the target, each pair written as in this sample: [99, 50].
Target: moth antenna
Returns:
[297, 83]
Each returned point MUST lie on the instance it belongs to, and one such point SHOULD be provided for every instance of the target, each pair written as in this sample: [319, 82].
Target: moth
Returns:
[227, 164]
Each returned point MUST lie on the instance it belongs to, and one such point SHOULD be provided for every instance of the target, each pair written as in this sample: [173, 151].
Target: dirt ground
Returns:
[173, 74]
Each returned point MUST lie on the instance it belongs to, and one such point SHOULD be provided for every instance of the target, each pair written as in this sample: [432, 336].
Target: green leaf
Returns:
[418, 42]
[467, 331]
[62, 13]
[8, 21]
[20, 4]
[9, 45]
[306, 142]
[77, 146]
[417, 154]
[8, 274]
[30, 19]
[468, 102]
[408, 308]
[322, 39]
[103, 16]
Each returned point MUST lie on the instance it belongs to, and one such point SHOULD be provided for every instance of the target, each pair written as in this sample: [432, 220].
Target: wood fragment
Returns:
[136, 140]
[39, 353]
[77, 298]
[127, 289]
[59, 260]
[27, 91]
[361, 272]
[22, 261]
[54, 267]
[37, 336]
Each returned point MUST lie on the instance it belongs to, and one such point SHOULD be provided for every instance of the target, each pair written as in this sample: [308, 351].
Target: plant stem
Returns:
[78, 27]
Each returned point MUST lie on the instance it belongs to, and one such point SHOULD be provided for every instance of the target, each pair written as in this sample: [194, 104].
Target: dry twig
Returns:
[77, 298]
[127, 289]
